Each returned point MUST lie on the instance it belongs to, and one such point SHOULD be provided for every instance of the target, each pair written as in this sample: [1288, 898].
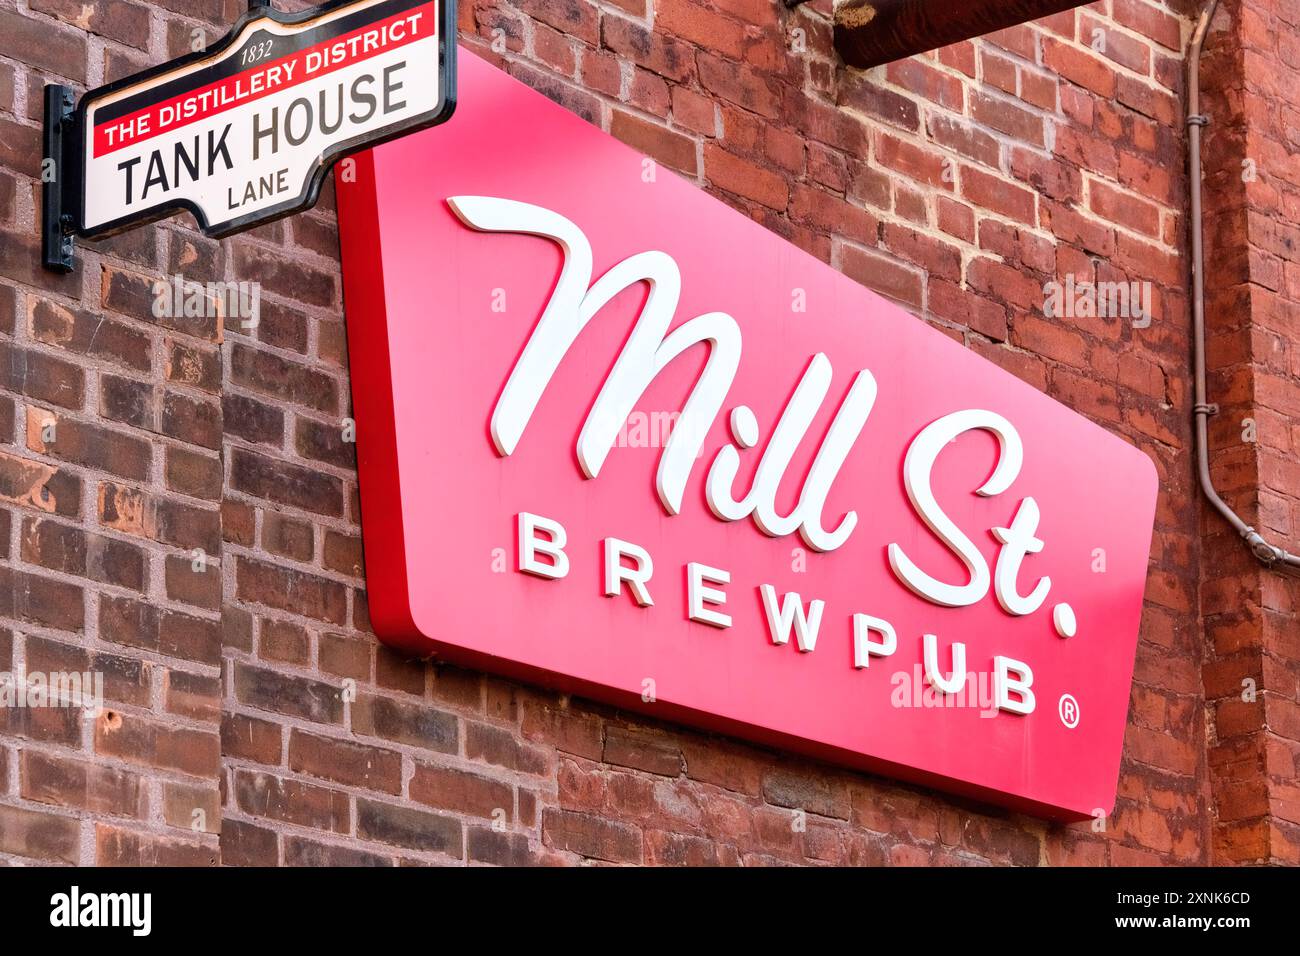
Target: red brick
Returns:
[292, 801]
[249, 738]
[671, 148]
[884, 275]
[460, 791]
[293, 696]
[41, 600]
[1006, 117]
[63, 782]
[1080, 68]
[405, 827]
[43, 44]
[1124, 209]
[698, 24]
[733, 174]
[693, 110]
[116, 846]
[667, 56]
[592, 836]
[341, 761]
[1122, 48]
[739, 85]
[998, 195]
[152, 743]
[80, 331]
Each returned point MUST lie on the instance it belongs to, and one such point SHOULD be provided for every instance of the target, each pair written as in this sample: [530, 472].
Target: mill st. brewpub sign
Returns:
[244, 132]
[617, 438]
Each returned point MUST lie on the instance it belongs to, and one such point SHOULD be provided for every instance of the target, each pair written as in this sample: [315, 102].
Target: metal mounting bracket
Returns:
[58, 199]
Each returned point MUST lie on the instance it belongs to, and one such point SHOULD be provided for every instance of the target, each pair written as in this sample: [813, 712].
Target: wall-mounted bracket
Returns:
[59, 179]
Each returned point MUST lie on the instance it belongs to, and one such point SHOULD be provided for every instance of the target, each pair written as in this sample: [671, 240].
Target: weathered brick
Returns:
[66, 548]
[192, 365]
[882, 274]
[191, 419]
[82, 332]
[405, 827]
[165, 631]
[592, 836]
[247, 844]
[41, 600]
[655, 140]
[498, 746]
[160, 519]
[299, 851]
[653, 753]
[665, 55]
[406, 723]
[286, 484]
[288, 537]
[324, 441]
[64, 782]
[59, 50]
[192, 473]
[116, 19]
[250, 738]
[736, 175]
[252, 420]
[40, 376]
[117, 846]
[261, 582]
[282, 276]
[88, 445]
[283, 641]
[270, 374]
[127, 401]
[191, 582]
[353, 764]
[38, 835]
[154, 743]
[196, 696]
[291, 801]
[194, 808]
[462, 792]
[485, 845]
[35, 484]
[344, 656]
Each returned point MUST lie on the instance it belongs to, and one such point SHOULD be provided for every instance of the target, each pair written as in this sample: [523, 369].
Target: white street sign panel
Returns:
[245, 133]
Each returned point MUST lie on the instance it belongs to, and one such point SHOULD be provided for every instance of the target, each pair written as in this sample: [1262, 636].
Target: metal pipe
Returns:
[871, 32]
[1269, 555]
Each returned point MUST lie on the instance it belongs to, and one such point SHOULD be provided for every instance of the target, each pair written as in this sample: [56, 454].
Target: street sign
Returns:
[243, 133]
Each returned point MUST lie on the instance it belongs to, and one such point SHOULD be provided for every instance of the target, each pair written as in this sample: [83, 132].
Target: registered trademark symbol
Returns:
[1068, 708]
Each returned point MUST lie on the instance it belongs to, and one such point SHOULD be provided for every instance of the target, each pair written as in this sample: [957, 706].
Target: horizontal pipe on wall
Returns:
[871, 32]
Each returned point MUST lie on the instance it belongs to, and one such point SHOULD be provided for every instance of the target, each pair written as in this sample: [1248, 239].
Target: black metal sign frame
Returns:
[63, 198]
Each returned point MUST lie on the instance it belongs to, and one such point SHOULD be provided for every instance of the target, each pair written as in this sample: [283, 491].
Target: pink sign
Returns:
[618, 439]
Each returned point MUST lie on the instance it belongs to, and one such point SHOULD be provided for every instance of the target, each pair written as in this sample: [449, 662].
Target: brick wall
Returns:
[110, 476]
[1253, 294]
[251, 689]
